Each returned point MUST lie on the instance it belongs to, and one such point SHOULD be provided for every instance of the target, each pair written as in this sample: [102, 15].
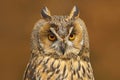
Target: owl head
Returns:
[59, 36]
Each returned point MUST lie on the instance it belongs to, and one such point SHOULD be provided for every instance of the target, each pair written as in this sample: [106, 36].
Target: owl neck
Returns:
[72, 69]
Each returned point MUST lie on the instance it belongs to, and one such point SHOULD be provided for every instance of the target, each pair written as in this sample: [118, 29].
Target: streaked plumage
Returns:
[60, 49]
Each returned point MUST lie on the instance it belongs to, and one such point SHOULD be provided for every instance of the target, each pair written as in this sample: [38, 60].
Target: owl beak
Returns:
[62, 48]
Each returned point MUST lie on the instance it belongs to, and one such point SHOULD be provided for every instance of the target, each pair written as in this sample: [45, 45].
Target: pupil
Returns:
[71, 35]
[52, 36]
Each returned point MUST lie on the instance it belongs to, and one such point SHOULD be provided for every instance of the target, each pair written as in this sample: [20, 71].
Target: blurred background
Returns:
[17, 18]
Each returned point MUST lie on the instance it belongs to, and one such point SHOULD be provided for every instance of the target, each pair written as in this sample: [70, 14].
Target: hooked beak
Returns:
[63, 47]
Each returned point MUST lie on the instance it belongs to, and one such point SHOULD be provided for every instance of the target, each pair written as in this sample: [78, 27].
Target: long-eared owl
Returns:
[60, 48]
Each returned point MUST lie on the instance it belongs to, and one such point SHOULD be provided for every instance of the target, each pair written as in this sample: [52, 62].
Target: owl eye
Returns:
[72, 37]
[51, 37]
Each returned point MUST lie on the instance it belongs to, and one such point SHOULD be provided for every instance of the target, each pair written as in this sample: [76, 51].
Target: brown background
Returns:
[17, 18]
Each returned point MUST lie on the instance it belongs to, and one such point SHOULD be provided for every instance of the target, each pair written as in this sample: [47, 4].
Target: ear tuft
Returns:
[45, 13]
[74, 12]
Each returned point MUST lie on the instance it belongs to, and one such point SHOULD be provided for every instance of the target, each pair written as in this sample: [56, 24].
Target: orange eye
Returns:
[72, 37]
[51, 37]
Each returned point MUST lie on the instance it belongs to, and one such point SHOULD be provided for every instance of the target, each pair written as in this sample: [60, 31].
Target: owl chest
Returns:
[57, 69]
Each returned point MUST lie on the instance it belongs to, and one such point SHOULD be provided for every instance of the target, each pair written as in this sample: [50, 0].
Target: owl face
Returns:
[61, 36]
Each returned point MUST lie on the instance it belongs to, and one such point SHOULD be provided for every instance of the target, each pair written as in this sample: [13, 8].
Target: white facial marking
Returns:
[58, 37]
[81, 42]
[55, 45]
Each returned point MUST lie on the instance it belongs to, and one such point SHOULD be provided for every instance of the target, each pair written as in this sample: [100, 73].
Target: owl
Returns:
[60, 48]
